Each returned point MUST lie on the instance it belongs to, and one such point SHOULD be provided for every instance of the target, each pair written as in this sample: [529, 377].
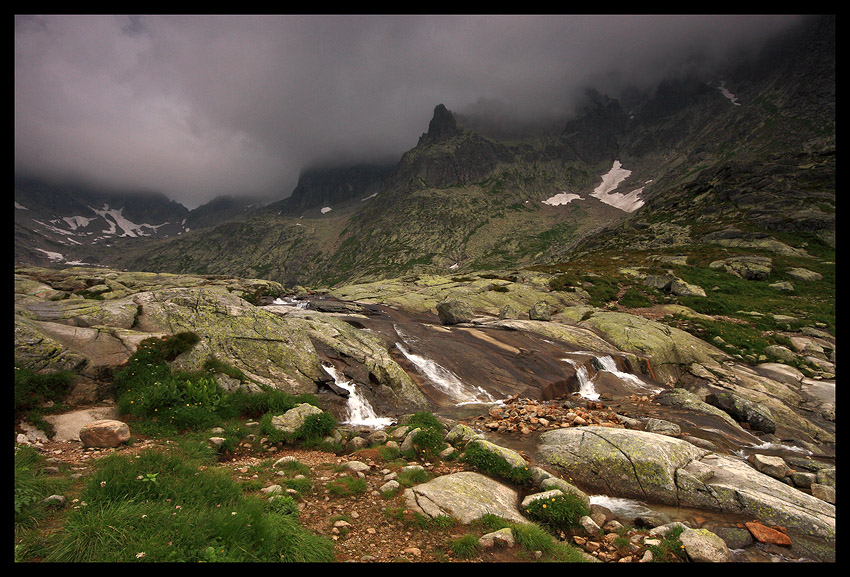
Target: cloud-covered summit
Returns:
[199, 106]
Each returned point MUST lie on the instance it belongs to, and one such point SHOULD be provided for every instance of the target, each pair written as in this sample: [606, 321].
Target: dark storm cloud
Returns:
[197, 106]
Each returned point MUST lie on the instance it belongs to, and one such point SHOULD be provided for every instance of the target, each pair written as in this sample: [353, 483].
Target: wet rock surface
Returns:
[683, 424]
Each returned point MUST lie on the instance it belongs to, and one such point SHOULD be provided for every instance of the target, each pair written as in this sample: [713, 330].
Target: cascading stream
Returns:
[360, 411]
[441, 378]
[587, 388]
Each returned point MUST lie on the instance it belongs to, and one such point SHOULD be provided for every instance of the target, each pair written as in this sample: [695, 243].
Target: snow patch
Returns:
[116, 220]
[373, 195]
[76, 222]
[629, 202]
[22, 207]
[326, 209]
[561, 198]
[54, 256]
[725, 92]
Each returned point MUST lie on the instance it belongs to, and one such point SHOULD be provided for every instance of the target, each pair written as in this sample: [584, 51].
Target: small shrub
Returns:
[494, 464]
[428, 443]
[635, 298]
[563, 282]
[283, 504]
[558, 513]
[411, 477]
[177, 344]
[346, 486]
[424, 420]
[466, 547]
[301, 484]
[33, 389]
[670, 548]
[213, 366]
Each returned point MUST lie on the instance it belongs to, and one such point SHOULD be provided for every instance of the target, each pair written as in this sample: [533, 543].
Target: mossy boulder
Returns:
[454, 311]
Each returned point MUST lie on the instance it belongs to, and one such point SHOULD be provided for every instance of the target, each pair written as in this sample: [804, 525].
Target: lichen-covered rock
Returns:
[683, 289]
[513, 458]
[804, 274]
[746, 267]
[670, 349]
[466, 496]
[742, 410]
[657, 468]
[703, 546]
[452, 312]
[685, 399]
[620, 462]
[540, 311]
[294, 418]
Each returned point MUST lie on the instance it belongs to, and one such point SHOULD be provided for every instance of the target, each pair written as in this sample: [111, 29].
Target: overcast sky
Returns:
[199, 106]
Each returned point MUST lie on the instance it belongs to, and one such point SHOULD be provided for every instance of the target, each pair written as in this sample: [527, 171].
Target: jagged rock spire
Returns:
[442, 126]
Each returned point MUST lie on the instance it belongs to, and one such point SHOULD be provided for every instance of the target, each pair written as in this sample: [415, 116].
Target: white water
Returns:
[360, 411]
[586, 388]
[610, 365]
[291, 302]
[442, 378]
[622, 507]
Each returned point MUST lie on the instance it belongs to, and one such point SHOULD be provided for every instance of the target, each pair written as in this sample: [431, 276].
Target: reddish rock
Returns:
[104, 433]
[765, 534]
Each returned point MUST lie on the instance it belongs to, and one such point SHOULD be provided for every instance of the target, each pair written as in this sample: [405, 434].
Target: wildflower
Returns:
[140, 555]
[103, 483]
[233, 512]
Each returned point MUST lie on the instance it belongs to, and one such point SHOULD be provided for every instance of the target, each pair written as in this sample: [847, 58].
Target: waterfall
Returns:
[607, 363]
[291, 302]
[360, 412]
[446, 381]
[586, 388]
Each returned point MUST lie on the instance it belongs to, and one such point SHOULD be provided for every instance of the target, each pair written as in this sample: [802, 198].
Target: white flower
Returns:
[140, 555]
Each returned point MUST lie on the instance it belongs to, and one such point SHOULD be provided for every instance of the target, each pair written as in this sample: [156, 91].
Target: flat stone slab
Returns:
[68, 425]
[466, 496]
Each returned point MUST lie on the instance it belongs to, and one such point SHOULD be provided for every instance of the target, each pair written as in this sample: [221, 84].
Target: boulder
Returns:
[757, 416]
[294, 418]
[771, 465]
[764, 534]
[621, 462]
[803, 274]
[540, 311]
[662, 469]
[684, 399]
[513, 458]
[670, 349]
[683, 289]
[746, 267]
[466, 496]
[104, 433]
[452, 312]
[703, 546]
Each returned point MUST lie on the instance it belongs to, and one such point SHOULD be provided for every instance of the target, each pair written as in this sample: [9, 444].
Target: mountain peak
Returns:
[442, 126]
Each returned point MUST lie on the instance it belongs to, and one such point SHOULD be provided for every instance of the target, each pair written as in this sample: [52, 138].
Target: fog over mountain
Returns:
[200, 106]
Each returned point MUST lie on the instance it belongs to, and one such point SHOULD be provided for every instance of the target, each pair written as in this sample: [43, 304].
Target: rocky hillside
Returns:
[743, 437]
[751, 148]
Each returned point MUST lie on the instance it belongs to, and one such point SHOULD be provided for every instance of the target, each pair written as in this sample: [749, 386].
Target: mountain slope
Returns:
[750, 147]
